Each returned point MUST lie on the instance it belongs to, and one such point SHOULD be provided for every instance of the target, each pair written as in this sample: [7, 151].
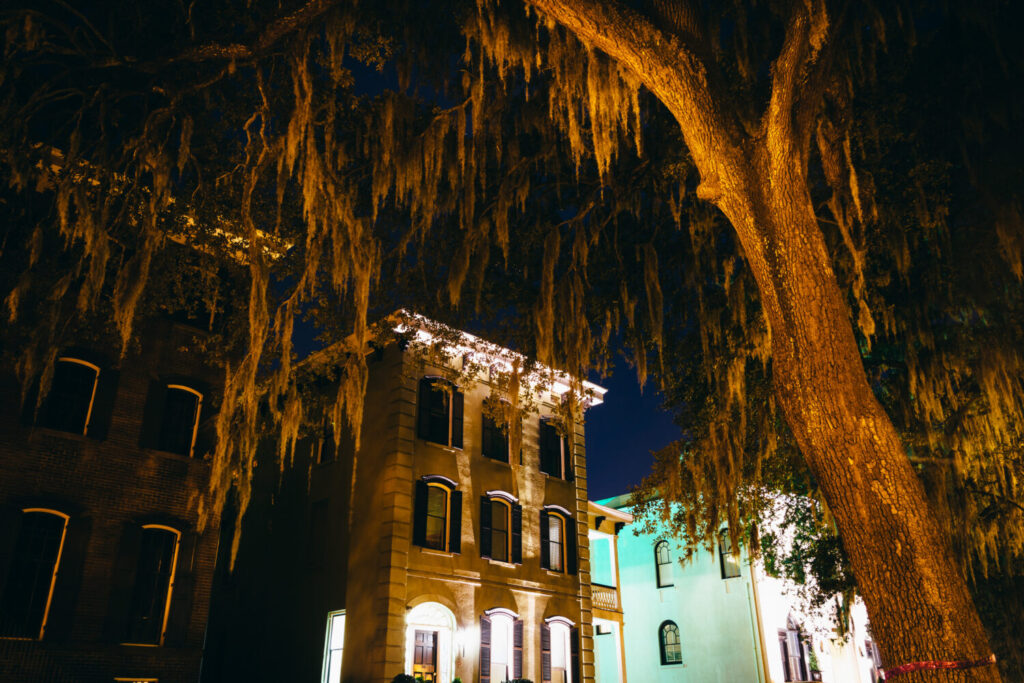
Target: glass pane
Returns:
[152, 581]
[437, 517]
[499, 531]
[555, 541]
[67, 403]
[179, 421]
[28, 583]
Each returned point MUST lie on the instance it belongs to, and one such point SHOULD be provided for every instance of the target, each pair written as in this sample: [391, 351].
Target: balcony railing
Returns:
[605, 598]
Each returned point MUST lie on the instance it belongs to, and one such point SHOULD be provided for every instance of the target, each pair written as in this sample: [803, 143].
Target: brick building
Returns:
[432, 550]
[103, 575]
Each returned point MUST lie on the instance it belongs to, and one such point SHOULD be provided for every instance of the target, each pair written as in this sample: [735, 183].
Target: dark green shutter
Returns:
[69, 579]
[545, 653]
[455, 523]
[485, 526]
[570, 546]
[103, 404]
[153, 414]
[10, 524]
[574, 652]
[550, 453]
[517, 534]
[485, 649]
[184, 587]
[423, 428]
[568, 461]
[458, 401]
[419, 515]
[517, 649]
[545, 547]
[122, 582]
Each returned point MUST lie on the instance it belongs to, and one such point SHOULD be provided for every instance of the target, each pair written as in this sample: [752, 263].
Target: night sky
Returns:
[622, 432]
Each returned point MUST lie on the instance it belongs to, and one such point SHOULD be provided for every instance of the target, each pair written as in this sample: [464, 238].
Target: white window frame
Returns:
[326, 668]
[195, 420]
[53, 573]
[170, 584]
[95, 382]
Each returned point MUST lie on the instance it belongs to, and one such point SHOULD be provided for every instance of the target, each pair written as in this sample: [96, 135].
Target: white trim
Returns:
[95, 381]
[501, 611]
[56, 562]
[504, 495]
[325, 667]
[170, 582]
[195, 420]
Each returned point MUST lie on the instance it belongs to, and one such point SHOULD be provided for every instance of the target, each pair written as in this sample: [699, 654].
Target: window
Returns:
[555, 451]
[663, 563]
[437, 522]
[32, 576]
[559, 651]
[557, 540]
[730, 562]
[154, 584]
[668, 639]
[501, 527]
[180, 421]
[68, 405]
[791, 646]
[602, 561]
[440, 412]
[495, 441]
[333, 647]
[501, 646]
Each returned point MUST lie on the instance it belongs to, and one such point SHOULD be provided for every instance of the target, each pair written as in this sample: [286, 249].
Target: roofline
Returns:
[610, 513]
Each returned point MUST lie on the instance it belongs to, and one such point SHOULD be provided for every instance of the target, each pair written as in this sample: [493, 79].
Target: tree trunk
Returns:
[916, 596]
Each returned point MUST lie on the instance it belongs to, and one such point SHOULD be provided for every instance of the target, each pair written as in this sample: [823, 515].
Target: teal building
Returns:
[697, 622]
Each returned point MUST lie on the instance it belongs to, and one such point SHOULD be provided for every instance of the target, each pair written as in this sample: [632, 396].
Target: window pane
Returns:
[670, 645]
[555, 541]
[23, 607]
[501, 648]
[550, 449]
[335, 647]
[495, 440]
[499, 531]
[152, 582]
[601, 568]
[438, 404]
[181, 410]
[71, 391]
[437, 517]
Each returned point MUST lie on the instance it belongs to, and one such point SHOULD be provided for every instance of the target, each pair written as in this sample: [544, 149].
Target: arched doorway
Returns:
[429, 628]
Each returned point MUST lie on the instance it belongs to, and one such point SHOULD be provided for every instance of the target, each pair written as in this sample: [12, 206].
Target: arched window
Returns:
[501, 646]
[180, 421]
[501, 527]
[154, 585]
[730, 562]
[28, 592]
[437, 522]
[668, 639]
[559, 651]
[663, 563]
[557, 540]
[68, 404]
[440, 412]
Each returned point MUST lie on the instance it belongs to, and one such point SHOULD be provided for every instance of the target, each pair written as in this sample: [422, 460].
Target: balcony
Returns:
[605, 598]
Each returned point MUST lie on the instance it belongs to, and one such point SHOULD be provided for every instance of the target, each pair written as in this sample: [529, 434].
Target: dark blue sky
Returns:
[622, 432]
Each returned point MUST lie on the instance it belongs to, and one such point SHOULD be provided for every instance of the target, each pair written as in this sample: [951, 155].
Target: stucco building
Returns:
[609, 638]
[432, 549]
[103, 573]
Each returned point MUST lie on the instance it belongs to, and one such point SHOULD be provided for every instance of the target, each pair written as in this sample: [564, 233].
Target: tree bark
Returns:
[916, 596]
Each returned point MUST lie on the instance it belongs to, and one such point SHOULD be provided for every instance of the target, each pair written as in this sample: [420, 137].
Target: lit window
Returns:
[333, 647]
[154, 585]
[437, 520]
[440, 412]
[68, 404]
[730, 562]
[671, 649]
[501, 527]
[555, 453]
[180, 421]
[559, 651]
[663, 563]
[557, 540]
[32, 576]
[495, 441]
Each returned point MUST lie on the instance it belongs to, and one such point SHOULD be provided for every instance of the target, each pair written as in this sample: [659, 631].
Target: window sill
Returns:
[435, 551]
[552, 572]
[501, 563]
[667, 585]
[140, 644]
[174, 456]
[24, 639]
[77, 437]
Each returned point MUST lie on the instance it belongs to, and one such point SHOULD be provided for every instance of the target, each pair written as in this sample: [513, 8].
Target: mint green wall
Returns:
[716, 617]
[601, 561]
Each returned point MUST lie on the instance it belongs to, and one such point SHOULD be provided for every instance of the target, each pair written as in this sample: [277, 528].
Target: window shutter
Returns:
[574, 653]
[103, 404]
[455, 523]
[485, 649]
[152, 414]
[458, 401]
[570, 546]
[545, 548]
[184, 586]
[517, 649]
[485, 526]
[423, 429]
[517, 534]
[122, 582]
[567, 461]
[549, 454]
[545, 653]
[69, 579]
[419, 514]
[10, 524]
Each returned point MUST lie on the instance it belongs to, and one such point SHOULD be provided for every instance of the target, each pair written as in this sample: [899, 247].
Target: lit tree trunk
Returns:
[917, 598]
